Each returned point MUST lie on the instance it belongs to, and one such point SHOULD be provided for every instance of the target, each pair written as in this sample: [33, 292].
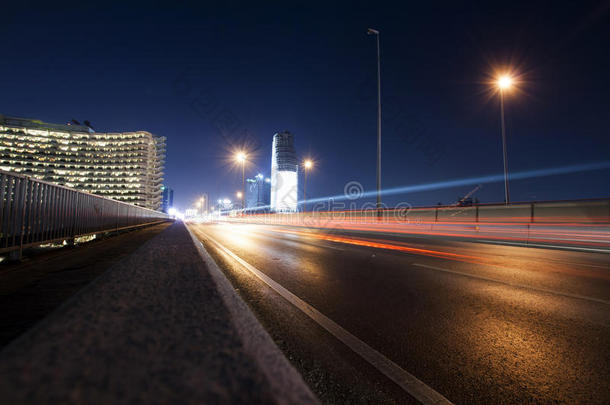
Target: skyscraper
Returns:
[167, 200]
[258, 192]
[284, 179]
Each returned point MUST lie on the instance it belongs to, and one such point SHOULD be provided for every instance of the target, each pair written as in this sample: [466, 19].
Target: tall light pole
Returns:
[307, 164]
[376, 33]
[241, 158]
[504, 83]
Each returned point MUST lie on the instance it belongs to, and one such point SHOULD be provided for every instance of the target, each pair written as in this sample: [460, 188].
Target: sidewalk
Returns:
[161, 326]
[32, 289]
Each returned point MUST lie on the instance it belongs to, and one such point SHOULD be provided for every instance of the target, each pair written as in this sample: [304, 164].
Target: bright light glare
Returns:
[504, 82]
[172, 212]
[308, 164]
[240, 157]
[239, 194]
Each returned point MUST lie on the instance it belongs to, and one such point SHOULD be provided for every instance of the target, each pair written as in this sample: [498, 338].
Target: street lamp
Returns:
[307, 164]
[240, 157]
[376, 33]
[504, 83]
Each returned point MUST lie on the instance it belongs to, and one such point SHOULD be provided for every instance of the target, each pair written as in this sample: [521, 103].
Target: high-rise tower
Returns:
[284, 178]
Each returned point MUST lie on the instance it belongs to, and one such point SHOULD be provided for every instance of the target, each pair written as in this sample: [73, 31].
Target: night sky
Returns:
[216, 76]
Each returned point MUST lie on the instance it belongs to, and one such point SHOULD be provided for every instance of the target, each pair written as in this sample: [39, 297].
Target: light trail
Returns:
[475, 180]
[396, 245]
[524, 233]
[495, 178]
[384, 244]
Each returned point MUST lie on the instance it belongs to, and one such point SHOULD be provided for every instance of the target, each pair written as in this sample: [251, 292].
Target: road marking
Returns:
[515, 285]
[574, 248]
[407, 381]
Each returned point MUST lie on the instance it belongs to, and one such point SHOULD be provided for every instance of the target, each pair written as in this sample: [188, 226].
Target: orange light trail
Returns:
[388, 246]
[558, 230]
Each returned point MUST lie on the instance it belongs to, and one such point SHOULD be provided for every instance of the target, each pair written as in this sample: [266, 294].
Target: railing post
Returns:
[16, 254]
[3, 196]
[74, 203]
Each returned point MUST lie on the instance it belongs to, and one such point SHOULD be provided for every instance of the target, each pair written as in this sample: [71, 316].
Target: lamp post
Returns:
[376, 33]
[307, 164]
[504, 83]
[241, 158]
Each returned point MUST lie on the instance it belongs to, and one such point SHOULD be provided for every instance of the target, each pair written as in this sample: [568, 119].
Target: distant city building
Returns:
[224, 205]
[167, 199]
[284, 179]
[267, 192]
[125, 166]
[258, 193]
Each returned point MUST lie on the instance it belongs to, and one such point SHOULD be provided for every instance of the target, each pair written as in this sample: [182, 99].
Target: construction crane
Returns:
[467, 199]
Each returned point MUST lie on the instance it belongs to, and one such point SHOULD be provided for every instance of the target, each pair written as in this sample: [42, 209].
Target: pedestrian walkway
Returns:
[160, 326]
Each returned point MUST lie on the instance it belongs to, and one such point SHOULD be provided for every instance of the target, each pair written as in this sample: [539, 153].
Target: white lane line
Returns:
[515, 285]
[408, 382]
[574, 248]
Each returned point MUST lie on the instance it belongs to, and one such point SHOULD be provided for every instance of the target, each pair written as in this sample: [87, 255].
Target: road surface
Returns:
[471, 322]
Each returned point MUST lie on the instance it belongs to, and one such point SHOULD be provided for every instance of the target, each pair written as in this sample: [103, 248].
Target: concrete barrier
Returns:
[584, 224]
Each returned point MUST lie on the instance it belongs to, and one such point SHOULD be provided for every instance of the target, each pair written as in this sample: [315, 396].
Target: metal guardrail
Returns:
[34, 212]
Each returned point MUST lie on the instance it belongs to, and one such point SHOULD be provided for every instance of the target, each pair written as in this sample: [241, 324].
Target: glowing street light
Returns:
[307, 165]
[239, 194]
[504, 83]
[241, 157]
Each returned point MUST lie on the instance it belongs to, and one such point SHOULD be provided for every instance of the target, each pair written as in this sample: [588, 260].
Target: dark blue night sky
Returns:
[215, 76]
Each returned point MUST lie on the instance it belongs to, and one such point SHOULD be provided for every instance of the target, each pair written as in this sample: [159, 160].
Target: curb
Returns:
[286, 383]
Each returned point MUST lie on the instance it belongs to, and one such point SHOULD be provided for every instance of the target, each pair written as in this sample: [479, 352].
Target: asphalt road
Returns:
[476, 322]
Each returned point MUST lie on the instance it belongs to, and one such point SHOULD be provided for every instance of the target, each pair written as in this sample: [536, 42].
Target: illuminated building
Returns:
[224, 205]
[258, 192]
[126, 166]
[167, 199]
[284, 166]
